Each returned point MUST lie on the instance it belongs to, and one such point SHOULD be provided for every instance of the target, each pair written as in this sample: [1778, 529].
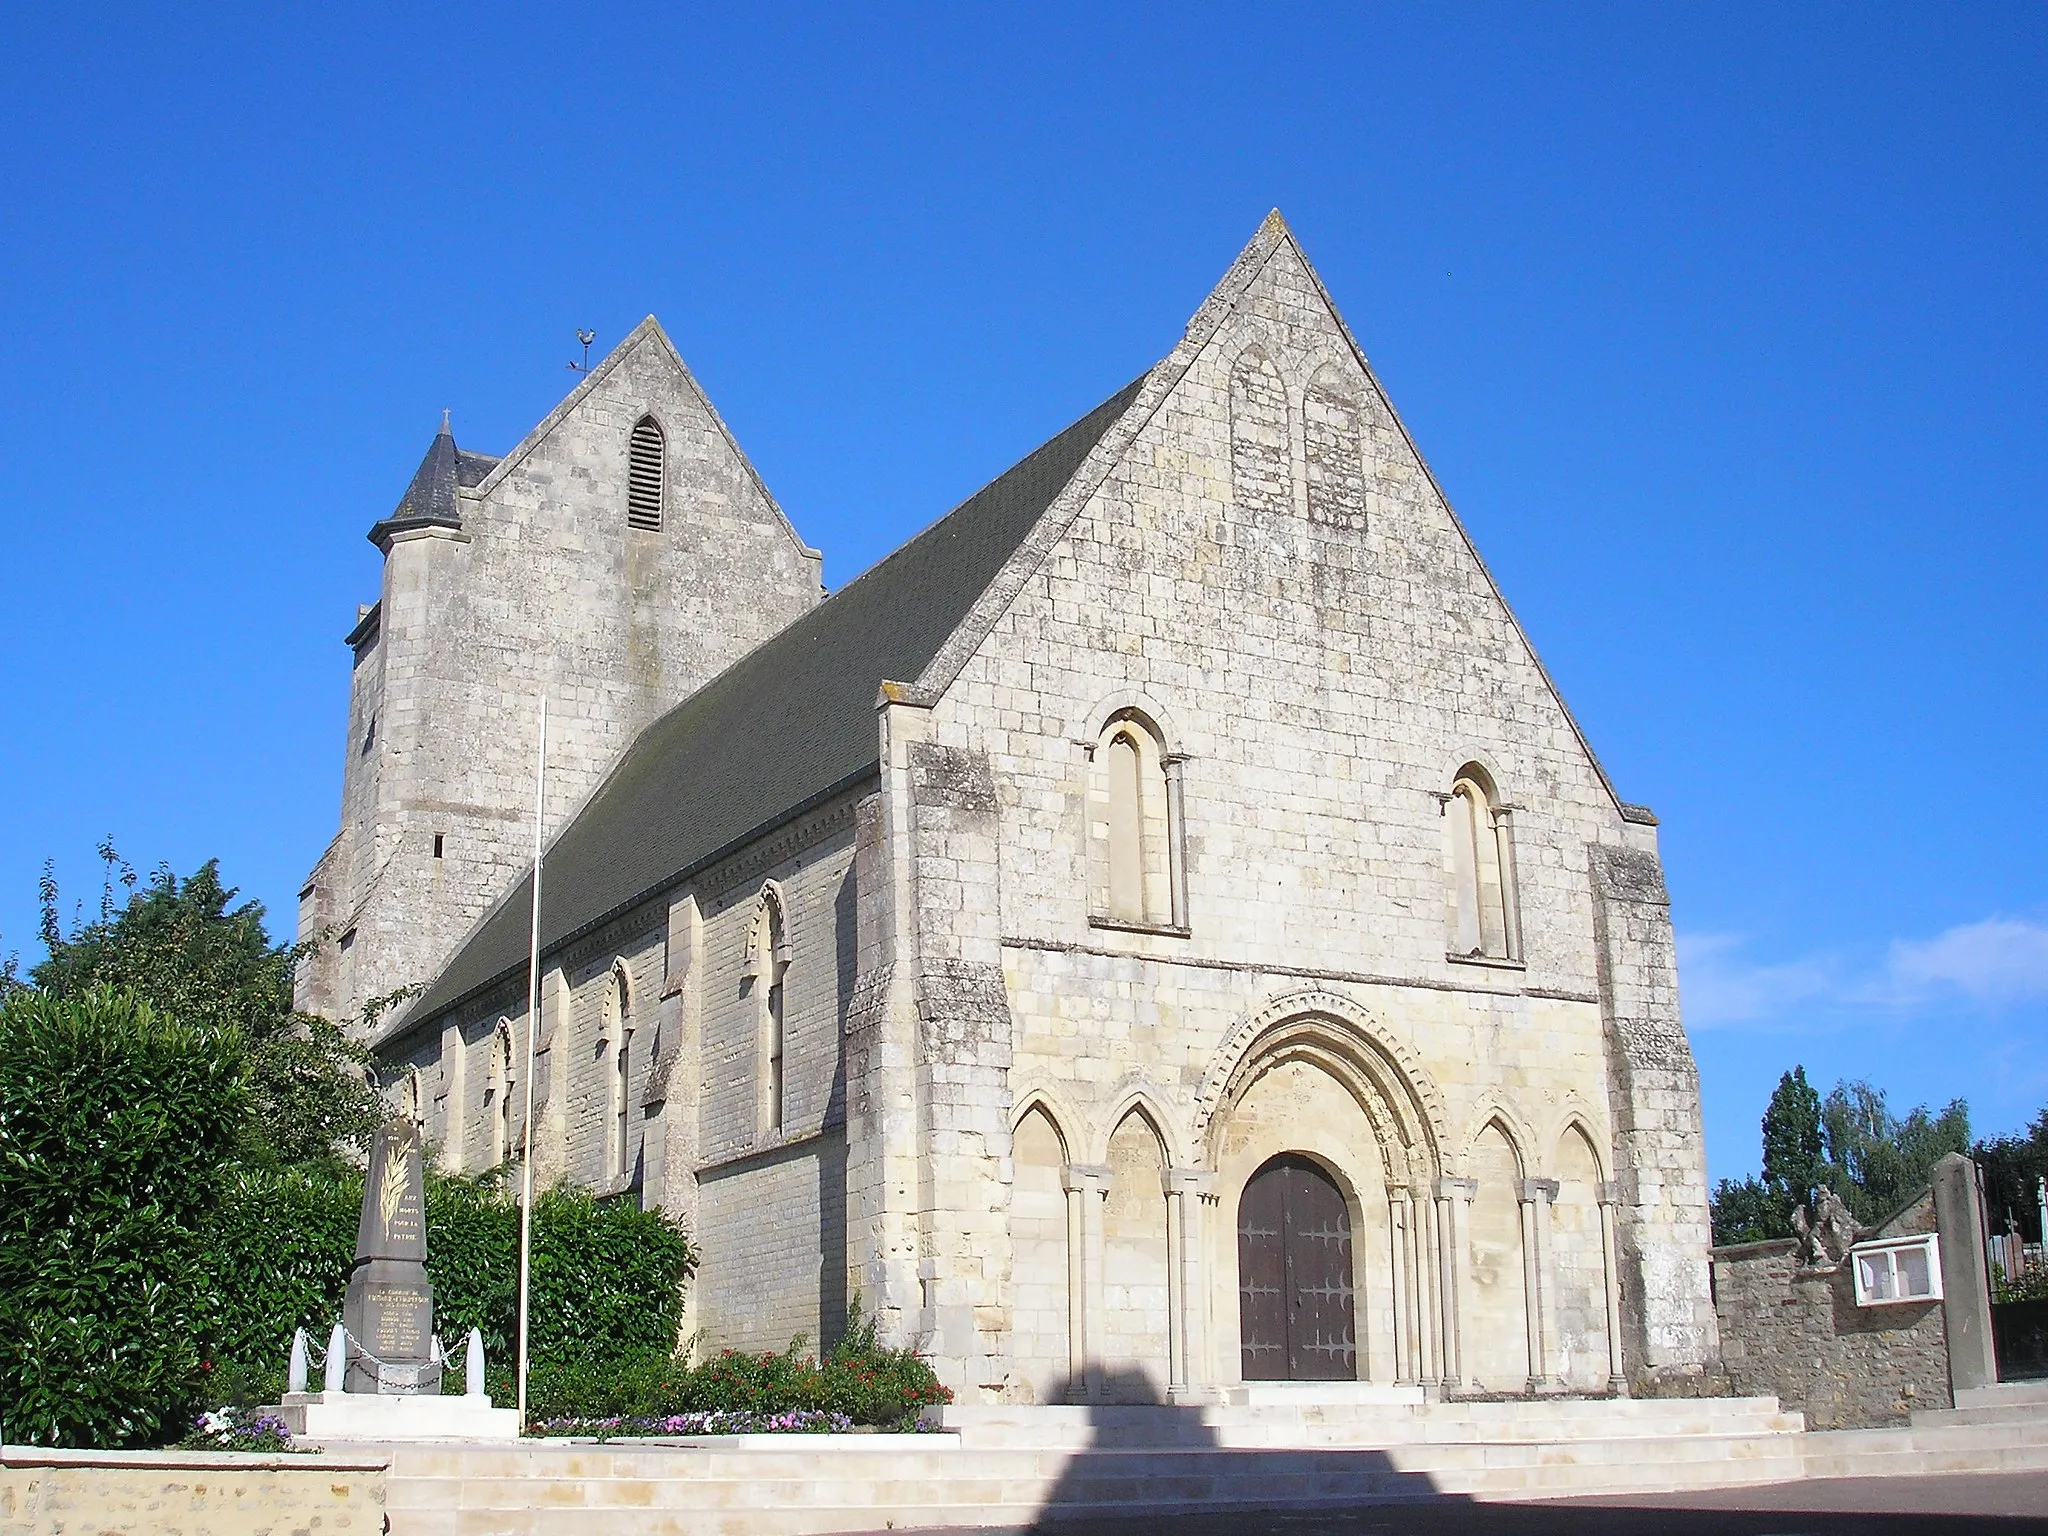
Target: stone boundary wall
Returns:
[187, 1493]
[1798, 1333]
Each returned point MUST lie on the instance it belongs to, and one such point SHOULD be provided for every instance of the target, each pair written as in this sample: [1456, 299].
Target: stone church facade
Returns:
[1159, 929]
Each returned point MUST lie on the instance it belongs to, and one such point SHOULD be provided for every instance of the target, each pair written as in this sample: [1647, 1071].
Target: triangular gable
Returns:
[646, 330]
[1273, 235]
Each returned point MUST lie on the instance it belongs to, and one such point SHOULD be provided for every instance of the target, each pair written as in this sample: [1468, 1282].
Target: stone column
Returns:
[1504, 847]
[1176, 1294]
[1454, 1220]
[1077, 1282]
[1186, 1189]
[1091, 1182]
[1531, 1301]
[1609, 1197]
[1176, 838]
[1422, 1248]
[1965, 1273]
[1537, 1197]
[1405, 1373]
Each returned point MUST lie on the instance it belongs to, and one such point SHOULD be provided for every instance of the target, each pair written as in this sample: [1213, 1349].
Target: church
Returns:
[1160, 930]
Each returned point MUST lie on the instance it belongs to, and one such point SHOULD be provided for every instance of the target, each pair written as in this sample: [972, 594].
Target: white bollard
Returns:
[337, 1359]
[473, 1365]
[295, 1376]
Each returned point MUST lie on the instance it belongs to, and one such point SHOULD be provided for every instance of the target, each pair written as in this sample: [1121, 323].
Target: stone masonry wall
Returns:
[767, 1210]
[543, 588]
[1798, 1334]
[171, 1493]
[1322, 652]
[1663, 1228]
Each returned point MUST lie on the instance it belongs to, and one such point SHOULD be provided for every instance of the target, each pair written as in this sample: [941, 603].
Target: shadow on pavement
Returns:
[1143, 1455]
[1120, 1485]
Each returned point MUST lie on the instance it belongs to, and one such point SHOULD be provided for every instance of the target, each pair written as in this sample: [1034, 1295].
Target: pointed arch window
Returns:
[1479, 866]
[615, 1054]
[768, 960]
[1134, 821]
[498, 1093]
[646, 475]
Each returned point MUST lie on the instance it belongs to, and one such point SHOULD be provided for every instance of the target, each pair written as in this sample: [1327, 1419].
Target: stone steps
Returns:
[1941, 1418]
[600, 1490]
[1965, 1447]
[1099, 1428]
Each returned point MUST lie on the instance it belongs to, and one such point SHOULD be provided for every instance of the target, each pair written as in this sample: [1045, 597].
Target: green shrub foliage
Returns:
[860, 1378]
[114, 1123]
[607, 1277]
[183, 946]
[276, 1257]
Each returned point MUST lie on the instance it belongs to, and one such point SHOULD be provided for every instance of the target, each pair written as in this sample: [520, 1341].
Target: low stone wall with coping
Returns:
[187, 1493]
[1796, 1332]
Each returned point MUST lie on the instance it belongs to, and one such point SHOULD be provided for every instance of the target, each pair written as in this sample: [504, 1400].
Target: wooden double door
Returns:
[1294, 1292]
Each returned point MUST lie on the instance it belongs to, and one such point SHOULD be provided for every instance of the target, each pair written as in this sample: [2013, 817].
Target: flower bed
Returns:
[239, 1429]
[795, 1421]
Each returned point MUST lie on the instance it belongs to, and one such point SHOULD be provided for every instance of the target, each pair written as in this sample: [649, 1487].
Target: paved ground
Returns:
[2002, 1504]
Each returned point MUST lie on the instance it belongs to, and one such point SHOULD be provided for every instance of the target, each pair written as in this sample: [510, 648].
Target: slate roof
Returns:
[470, 468]
[785, 728]
[429, 502]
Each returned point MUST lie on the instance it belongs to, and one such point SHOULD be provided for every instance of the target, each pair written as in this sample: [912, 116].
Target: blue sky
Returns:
[1724, 329]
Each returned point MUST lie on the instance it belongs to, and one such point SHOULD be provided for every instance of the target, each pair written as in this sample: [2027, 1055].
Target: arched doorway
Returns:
[1294, 1275]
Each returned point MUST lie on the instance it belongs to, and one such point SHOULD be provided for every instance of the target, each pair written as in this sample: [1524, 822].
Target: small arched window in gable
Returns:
[1479, 864]
[1134, 828]
[646, 475]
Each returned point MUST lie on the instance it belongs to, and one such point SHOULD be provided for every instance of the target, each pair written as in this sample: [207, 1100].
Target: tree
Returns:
[1853, 1144]
[1795, 1160]
[115, 1122]
[180, 945]
[1876, 1161]
[2013, 1168]
[1748, 1212]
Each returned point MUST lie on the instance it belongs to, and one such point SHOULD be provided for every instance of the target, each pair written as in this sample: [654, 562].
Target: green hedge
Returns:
[607, 1277]
[114, 1121]
[867, 1382]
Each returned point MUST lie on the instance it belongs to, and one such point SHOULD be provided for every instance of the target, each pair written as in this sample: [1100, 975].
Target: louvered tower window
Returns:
[644, 476]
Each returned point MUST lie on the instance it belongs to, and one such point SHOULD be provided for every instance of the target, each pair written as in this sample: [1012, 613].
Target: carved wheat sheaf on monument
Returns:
[392, 1191]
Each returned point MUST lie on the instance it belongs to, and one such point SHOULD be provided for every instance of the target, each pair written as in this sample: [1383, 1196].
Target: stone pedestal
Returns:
[329, 1417]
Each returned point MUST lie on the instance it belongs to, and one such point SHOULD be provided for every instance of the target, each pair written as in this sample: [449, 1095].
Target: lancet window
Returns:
[767, 972]
[1134, 827]
[1479, 864]
[615, 1053]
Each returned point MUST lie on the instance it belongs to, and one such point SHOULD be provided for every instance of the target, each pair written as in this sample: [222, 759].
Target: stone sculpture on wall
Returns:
[1826, 1233]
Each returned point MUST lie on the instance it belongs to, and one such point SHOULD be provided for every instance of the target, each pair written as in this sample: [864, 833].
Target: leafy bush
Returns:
[859, 1380]
[607, 1276]
[872, 1384]
[2031, 1286]
[182, 947]
[275, 1255]
[114, 1123]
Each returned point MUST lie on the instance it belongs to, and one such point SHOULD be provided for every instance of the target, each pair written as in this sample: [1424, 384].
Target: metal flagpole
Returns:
[540, 787]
